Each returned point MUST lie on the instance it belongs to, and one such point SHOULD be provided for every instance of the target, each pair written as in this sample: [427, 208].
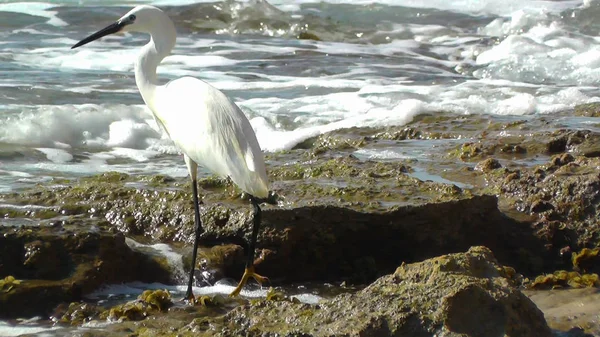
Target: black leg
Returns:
[249, 271]
[255, 228]
[189, 294]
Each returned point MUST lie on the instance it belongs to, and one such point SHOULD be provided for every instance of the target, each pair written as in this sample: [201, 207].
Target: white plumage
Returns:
[212, 131]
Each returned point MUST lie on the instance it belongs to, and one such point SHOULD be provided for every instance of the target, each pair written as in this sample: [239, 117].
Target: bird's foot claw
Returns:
[248, 272]
[189, 298]
[260, 279]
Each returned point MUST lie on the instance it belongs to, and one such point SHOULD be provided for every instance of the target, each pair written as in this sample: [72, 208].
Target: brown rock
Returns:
[461, 294]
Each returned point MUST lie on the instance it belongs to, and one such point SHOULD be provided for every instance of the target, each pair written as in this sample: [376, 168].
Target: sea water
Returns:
[72, 113]
[69, 113]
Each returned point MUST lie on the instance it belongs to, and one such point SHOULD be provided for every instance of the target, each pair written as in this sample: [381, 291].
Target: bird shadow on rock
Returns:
[330, 243]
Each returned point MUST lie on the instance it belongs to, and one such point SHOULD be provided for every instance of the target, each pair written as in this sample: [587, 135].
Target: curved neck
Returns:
[161, 43]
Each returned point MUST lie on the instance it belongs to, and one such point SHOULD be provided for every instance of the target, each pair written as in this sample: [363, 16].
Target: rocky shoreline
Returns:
[410, 229]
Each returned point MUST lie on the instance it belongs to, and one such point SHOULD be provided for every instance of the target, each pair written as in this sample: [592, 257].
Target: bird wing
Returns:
[210, 129]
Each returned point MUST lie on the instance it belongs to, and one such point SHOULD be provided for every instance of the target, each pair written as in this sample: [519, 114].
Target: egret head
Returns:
[143, 19]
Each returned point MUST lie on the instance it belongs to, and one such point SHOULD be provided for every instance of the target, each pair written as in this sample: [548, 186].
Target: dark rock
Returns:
[557, 145]
[540, 206]
[58, 265]
[488, 165]
[320, 242]
[567, 196]
[465, 294]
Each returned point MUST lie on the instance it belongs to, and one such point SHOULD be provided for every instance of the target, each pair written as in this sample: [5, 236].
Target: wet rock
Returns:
[314, 234]
[76, 313]
[308, 36]
[578, 142]
[557, 145]
[462, 294]
[219, 261]
[566, 197]
[561, 159]
[470, 150]
[149, 302]
[488, 165]
[540, 206]
[587, 110]
[587, 260]
[320, 242]
[63, 263]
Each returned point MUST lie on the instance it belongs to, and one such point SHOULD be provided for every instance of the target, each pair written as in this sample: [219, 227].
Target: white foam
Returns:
[220, 288]
[56, 155]
[137, 155]
[271, 139]
[9, 330]
[174, 259]
[78, 125]
[520, 104]
[91, 58]
[131, 134]
[461, 6]
[381, 154]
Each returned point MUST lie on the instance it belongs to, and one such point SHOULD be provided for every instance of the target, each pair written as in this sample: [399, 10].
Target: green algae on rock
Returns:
[331, 206]
[148, 302]
[452, 295]
[462, 294]
[565, 279]
[76, 313]
[8, 283]
[562, 198]
[587, 110]
[64, 262]
[587, 260]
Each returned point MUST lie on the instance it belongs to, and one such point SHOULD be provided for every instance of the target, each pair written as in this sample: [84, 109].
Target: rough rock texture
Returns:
[464, 294]
[564, 197]
[60, 264]
[522, 186]
[333, 243]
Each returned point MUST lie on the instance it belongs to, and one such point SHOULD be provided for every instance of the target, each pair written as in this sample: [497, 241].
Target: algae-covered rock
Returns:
[564, 194]
[335, 243]
[8, 283]
[488, 165]
[149, 302]
[76, 313]
[453, 295]
[587, 110]
[62, 263]
[565, 279]
[587, 260]
[158, 299]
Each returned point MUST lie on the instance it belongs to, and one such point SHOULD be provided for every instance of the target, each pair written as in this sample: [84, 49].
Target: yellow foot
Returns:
[248, 272]
[189, 298]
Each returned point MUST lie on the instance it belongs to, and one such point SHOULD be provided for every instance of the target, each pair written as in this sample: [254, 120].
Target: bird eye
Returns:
[132, 17]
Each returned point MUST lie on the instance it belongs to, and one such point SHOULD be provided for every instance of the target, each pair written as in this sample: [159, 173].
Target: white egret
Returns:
[205, 124]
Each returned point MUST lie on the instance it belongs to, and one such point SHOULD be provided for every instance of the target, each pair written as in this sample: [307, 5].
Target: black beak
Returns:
[111, 29]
